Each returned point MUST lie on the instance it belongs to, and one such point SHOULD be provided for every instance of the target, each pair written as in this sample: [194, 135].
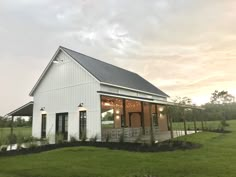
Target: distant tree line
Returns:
[18, 122]
[221, 107]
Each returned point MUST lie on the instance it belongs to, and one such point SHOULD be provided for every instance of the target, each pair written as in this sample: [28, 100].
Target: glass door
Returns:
[62, 124]
[82, 124]
[43, 126]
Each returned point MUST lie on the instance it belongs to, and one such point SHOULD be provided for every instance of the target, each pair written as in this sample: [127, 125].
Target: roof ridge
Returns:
[98, 59]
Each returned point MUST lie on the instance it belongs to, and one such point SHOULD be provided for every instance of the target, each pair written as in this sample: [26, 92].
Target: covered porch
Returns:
[138, 120]
[133, 119]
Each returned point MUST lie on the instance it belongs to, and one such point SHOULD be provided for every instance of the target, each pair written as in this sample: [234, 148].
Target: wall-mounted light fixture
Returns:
[161, 109]
[81, 105]
[117, 111]
[117, 117]
[107, 104]
[42, 110]
[56, 61]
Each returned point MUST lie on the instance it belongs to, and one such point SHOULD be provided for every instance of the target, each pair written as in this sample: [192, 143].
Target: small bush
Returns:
[45, 141]
[152, 138]
[83, 137]
[3, 148]
[122, 138]
[73, 139]
[93, 139]
[108, 137]
[59, 138]
[139, 137]
[224, 123]
[11, 139]
[19, 141]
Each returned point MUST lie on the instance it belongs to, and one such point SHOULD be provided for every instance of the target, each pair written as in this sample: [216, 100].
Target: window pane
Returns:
[112, 112]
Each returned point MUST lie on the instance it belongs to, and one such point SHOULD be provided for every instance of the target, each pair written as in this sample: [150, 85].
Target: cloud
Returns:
[186, 48]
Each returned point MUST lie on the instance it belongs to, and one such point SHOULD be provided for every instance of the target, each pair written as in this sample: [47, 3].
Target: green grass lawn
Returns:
[217, 158]
[24, 131]
[190, 125]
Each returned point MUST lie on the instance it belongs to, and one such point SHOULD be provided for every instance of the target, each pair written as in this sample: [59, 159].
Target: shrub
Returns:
[224, 123]
[107, 137]
[138, 138]
[3, 148]
[19, 141]
[152, 138]
[59, 138]
[73, 139]
[11, 139]
[83, 137]
[93, 139]
[45, 141]
[122, 138]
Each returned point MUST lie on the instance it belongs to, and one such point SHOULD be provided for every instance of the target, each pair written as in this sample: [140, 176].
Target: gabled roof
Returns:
[110, 74]
[107, 73]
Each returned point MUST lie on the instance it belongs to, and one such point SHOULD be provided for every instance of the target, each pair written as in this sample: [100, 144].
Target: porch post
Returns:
[142, 117]
[151, 123]
[194, 119]
[150, 112]
[185, 128]
[171, 127]
[202, 120]
[124, 111]
[12, 121]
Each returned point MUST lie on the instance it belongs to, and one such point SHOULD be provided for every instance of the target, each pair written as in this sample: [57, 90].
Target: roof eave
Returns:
[44, 72]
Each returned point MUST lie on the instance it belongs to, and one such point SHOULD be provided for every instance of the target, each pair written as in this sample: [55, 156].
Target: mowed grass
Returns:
[217, 158]
[190, 125]
[24, 131]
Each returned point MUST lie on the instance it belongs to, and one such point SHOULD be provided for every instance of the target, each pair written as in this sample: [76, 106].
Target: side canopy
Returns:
[25, 110]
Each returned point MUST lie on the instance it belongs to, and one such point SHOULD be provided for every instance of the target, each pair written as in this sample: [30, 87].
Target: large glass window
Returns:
[43, 126]
[112, 112]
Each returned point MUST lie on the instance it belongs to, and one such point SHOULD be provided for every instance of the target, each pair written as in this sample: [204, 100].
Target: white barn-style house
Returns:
[80, 96]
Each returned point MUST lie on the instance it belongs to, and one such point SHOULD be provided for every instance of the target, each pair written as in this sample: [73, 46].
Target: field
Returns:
[24, 131]
[190, 125]
[216, 158]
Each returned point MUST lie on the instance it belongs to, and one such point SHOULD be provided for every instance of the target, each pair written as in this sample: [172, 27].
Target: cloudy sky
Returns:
[186, 48]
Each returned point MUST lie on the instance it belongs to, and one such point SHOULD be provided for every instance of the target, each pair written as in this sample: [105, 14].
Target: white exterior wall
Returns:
[127, 92]
[63, 88]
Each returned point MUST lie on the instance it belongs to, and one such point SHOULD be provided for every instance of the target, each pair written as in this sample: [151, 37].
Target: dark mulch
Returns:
[134, 147]
[217, 131]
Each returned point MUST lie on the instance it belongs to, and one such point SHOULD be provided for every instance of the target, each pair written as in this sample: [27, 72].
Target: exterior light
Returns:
[42, 109]
[117, 117]
[107, 104]
[81, 105]
[56, 61]
[117, 112]
[161, 109]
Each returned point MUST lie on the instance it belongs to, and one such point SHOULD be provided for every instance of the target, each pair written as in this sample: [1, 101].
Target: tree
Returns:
[222, 97]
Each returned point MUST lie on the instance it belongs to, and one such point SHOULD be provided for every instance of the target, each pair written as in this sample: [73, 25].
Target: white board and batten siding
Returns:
[134, 93]
[63, 88]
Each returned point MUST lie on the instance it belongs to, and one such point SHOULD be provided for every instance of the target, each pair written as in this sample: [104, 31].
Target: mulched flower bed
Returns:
[217, 131]
[135, 147]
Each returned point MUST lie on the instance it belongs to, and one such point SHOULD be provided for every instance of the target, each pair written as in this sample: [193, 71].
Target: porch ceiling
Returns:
[25, 110]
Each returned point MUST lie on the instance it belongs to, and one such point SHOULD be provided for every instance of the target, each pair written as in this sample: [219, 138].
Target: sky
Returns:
[185, 48]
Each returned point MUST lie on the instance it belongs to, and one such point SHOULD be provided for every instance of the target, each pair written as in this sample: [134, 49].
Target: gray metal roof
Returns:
[111, 74]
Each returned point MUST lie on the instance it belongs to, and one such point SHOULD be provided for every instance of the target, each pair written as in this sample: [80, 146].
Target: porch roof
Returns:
[25, 110]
